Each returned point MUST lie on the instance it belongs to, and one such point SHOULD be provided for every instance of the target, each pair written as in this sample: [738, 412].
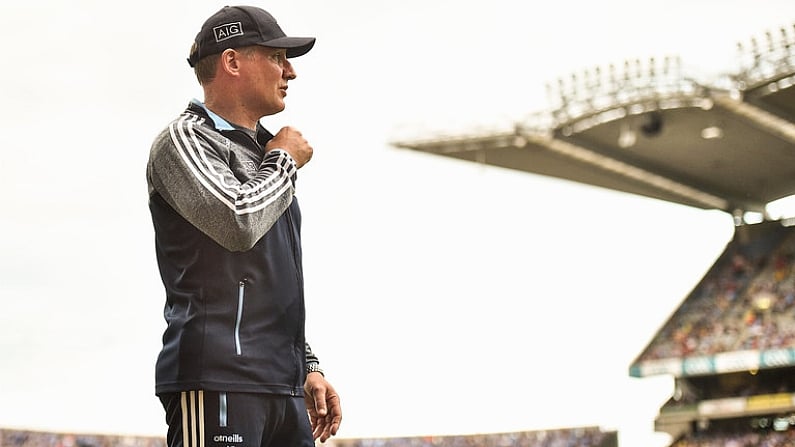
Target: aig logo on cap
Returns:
[227, 31]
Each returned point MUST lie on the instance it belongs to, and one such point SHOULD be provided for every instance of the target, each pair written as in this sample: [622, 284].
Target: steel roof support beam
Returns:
[629, 171]
[762, 119]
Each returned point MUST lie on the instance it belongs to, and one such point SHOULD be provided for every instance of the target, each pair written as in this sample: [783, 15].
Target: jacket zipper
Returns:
[241, 293]
[298, 280]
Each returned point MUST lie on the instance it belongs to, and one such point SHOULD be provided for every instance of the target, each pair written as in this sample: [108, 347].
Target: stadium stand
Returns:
[731, 345]
[573, 437]
[26, 438]
[741, 302]
[649, 128]
[740, 433]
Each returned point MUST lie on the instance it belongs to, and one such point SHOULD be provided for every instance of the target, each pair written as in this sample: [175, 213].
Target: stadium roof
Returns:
[647, 128]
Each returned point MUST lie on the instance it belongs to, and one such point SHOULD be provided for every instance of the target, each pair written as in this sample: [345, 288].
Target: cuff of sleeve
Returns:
[314, 367]
[284, 160]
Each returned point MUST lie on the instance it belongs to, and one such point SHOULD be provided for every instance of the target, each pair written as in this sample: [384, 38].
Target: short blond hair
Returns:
[206, 66]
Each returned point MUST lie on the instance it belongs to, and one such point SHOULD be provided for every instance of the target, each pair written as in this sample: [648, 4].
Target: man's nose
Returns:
[289, 71]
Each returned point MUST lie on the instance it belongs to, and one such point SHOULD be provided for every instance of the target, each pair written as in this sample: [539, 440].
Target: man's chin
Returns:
[276, 110]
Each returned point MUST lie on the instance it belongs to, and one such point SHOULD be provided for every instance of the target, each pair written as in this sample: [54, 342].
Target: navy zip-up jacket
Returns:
[227, 238]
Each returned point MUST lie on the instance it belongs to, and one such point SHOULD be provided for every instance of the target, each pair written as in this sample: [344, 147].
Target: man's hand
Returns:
[323, 405]
[290, 140]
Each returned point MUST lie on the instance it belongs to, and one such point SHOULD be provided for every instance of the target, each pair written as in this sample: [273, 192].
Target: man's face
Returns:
[266, 72]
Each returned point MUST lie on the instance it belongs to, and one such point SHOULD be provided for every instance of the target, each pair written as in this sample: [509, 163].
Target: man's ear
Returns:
[230, 61]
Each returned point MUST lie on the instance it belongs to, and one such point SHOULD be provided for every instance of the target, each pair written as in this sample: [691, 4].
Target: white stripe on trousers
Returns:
[192, 403]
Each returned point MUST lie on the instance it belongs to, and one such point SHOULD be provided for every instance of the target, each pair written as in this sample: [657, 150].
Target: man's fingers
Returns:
[292, 141]
[319, 395]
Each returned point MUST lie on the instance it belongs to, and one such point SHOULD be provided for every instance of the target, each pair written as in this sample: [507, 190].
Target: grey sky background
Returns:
[443, 297]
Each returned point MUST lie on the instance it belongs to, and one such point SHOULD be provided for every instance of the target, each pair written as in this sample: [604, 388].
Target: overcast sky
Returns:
[443, 297]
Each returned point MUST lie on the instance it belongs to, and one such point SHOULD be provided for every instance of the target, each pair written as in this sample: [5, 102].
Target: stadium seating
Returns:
[572, 437]
[27, 438]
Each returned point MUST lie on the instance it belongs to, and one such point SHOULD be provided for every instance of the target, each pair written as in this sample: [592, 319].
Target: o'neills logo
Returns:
[234, 438]
[228, 30]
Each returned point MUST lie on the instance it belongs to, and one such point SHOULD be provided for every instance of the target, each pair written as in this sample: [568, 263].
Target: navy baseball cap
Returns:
[241, 26]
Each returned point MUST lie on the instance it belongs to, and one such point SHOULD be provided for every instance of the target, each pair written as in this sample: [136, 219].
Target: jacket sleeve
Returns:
[193, 176]
[311, 359]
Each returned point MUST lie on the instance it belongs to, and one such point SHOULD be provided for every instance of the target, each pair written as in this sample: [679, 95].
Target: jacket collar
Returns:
[218, 122]
[263, 135]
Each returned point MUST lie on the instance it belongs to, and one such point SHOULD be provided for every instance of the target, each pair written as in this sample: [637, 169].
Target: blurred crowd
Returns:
[739, 439]
[26, 438]
[574, 437]
[745, 302]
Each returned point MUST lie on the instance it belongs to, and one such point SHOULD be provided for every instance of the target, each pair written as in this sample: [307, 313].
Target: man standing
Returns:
[235, 368]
